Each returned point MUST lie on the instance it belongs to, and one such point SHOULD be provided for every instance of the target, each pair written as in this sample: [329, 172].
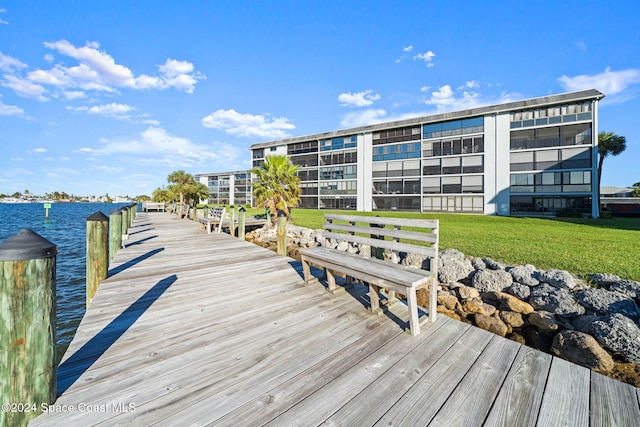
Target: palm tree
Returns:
[278, 185]
[180, 180]
[609, 143]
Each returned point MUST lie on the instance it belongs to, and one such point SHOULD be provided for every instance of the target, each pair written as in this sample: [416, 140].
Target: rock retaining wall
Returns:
[592, 321]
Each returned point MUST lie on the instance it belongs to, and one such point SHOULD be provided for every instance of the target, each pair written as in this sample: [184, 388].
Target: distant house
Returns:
[615, 192]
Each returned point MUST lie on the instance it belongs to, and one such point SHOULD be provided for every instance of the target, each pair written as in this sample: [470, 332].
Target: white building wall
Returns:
[497, 164]
[364, 171]
[503, 164]
[595, 191]
[490, 190]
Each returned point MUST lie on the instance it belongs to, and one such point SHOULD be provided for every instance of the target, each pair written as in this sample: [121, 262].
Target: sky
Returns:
[110, 97]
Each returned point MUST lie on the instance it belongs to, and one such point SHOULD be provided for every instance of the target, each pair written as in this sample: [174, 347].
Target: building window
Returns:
[454, 127]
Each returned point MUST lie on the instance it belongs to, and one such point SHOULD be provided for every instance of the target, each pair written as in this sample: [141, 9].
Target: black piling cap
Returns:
[116, 212]
[98, 216]
[26, 245]
[242, 209]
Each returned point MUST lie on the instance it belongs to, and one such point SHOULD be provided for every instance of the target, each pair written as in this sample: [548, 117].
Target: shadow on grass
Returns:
[72, 368]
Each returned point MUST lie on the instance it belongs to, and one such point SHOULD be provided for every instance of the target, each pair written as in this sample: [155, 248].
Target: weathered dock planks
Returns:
[205, 329]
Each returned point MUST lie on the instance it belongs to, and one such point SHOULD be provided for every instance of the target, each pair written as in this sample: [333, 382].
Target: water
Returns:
[66, 228]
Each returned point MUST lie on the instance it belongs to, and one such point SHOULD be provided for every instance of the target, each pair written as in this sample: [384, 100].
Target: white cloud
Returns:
[427, 57]
[155, 146]
[471, 84]
[364, 117]
[73, 94]
[248, 125]
[97, 71]
[10, 64]
[608, 82]
[116, 111]
[408, 49]
[10, 110]
[25, 88]
[2, 21]
[360, 99]
[582, 46]
[39, 150]
[151, 122]
[467, 96]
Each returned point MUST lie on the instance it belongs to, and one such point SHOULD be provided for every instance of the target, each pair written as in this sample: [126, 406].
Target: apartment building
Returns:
[531, 157]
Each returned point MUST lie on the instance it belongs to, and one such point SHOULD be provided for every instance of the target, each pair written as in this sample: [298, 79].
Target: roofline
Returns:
[472, 112]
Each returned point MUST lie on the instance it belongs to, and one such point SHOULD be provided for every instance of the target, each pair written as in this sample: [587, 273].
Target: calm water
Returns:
[66, 227]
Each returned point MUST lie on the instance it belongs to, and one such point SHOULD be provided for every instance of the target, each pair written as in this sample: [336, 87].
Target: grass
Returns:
[581, 246]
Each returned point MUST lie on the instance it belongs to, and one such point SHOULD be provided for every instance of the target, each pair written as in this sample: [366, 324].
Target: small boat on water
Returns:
[13, 200]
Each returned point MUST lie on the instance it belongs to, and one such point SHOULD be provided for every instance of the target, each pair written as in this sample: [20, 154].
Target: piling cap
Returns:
[116, 212]
[26, 245]
[98, 216]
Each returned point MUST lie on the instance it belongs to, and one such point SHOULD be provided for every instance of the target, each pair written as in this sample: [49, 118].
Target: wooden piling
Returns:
[115, 232]
[97, 252]
[281, 248]
[125, 220]
[27, 326]
[242, 215]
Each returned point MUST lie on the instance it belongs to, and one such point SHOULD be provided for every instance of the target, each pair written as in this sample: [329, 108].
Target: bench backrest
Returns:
[413, 236]
[217, 212]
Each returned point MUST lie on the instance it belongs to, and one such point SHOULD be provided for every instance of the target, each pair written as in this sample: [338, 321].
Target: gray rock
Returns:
[525, 274]
[582, 349]
[585, 322]
[554, 300]
[620, 334]
[418, 261]
[603, 279]
[491, 280]
[453, 266]
[478, 264]
[603, 301]
[629, 288]
[365, 251]
[519, 290]
[494, 265]
[558, 278]
[343, 246]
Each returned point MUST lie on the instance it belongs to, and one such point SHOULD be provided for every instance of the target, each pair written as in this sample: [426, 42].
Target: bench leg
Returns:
[331, 281]
[433, 298]
[391, 298]
[374, 299]
[306, 270]
[412, 305]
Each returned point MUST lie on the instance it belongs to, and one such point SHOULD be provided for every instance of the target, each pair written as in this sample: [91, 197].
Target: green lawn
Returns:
[581, 246]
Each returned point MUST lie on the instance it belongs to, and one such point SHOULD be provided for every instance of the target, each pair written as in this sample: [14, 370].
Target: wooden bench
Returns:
[153, 206]
[383, 233]
[182, 211]
[215, 217]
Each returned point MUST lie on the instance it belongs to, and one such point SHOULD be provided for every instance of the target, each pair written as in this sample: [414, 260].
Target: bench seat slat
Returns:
[376, 270]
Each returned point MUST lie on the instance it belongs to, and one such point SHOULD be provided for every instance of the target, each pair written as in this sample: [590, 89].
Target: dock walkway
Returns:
[206, 329]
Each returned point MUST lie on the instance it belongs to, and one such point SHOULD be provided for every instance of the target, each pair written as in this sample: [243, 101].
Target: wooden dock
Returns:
[205, 329]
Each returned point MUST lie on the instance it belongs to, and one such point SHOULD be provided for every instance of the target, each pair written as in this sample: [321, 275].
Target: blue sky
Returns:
[110, 97]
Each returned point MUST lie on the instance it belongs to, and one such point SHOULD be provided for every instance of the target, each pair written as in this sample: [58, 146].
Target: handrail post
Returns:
[28, 326]
[97, 252]
[242, 214]
[282, 233]
[115, 232]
